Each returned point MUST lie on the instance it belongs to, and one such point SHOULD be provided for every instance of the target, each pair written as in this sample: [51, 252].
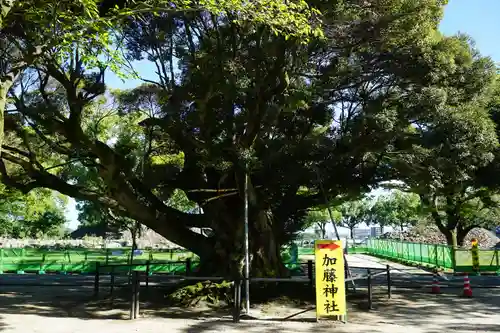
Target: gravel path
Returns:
[410, 311]
[70, 309]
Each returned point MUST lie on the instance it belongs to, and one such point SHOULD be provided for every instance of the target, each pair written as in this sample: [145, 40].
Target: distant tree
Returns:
[320, 218]
[354, 213]
[36, 214]
[50, 224]
[398, 209]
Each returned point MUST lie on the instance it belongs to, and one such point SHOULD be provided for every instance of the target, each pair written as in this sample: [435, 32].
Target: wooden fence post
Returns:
[132, 300]
[421, 253]
[148, 267]
[188, 266]
[1, 261]
[370, 299]
[496, 259]
[237, 301]
[112, 287]
[436, 254]
[137, 292]
[310, 271]
[96, 279]
[389, 281]
[134, 304]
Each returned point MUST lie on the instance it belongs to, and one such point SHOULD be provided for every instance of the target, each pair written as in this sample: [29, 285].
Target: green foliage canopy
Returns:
[232, 99]
[39, 213]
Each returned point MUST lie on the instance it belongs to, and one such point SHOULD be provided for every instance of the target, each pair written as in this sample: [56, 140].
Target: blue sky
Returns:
[478, 18]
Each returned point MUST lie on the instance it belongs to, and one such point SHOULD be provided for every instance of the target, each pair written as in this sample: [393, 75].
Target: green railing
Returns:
[488, 261]
[175, 261]
[432, 255]
[83, 260]
[418, 253]
[22, 260]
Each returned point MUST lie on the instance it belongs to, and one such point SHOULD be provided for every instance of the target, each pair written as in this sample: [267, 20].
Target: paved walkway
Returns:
[407, 312]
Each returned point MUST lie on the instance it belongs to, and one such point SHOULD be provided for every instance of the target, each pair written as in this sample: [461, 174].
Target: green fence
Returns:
[432, 255]
[174, 261]
[488, 261]
[418, 253]
[83, 260]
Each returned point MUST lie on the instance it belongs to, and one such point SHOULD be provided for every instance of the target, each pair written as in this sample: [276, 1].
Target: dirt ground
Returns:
[72, 310]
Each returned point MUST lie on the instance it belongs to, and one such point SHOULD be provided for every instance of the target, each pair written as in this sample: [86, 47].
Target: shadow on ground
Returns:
[79, 302]
[408, 311]
[431, 313]
[3, 326]
[415, 309]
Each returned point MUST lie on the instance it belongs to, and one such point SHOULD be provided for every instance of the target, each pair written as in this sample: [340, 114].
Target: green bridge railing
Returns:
[431, 255]
[424, 254]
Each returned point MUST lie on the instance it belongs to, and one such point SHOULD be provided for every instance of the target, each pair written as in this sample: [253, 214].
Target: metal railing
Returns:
[135, 284]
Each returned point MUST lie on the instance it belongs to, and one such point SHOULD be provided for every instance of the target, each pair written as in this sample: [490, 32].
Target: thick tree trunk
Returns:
[227, 257]
[463, 232]
[451, 240]
[4, 88]
[451, 237]
[461, 237]
[266, 256]
[133, 233]
[352, 232]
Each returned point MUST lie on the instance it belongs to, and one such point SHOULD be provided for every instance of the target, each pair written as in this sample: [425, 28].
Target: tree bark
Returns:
[352, 232]
[451, 237]
[227, 257]
[4, 89]
[463, 232]
[322, 228]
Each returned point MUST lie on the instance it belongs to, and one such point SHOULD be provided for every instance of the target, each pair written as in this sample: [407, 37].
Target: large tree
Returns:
[244, 102]
[453, 147]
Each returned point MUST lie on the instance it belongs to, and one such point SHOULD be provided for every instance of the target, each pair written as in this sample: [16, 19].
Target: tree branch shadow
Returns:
[3, 325]
[415, 308]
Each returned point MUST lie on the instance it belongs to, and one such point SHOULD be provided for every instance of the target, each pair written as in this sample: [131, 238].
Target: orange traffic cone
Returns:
[467, 288]
[435, 285]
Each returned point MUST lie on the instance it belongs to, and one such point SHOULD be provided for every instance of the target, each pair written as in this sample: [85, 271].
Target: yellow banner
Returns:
[330, 281]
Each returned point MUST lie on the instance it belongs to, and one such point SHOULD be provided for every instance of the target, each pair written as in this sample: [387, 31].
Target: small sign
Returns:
[475, 254]
[330, 279]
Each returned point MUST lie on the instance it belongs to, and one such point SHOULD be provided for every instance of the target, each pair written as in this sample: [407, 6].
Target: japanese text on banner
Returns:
[330, 281]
